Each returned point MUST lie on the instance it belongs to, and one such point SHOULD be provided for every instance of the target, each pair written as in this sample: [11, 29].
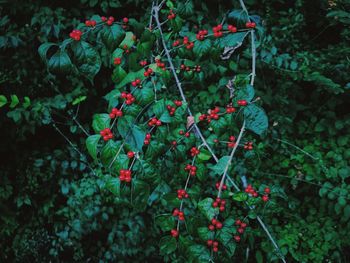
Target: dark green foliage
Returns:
[53, 207]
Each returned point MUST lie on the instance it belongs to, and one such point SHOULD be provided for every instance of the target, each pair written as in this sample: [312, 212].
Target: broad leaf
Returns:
[91, 145]
[205, 206]
[256, 119]
[60, 62]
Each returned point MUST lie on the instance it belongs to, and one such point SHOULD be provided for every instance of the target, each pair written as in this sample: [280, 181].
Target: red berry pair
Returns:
[154, 122]
[148, 72]
[129, 98]
[136, 82]
[217, 185]
[147, 139]
[232, 142]
[265, 197]
[115, 113]
[160, 64]
[125, 176]
[248, 146]
[106, 134]
[143, 63]
[75, 34]
[176, 43]
[91, 23]
[109, 21]
[230, 109]
[250, 25]
[242, 103]
[181, 193]
[232, 28]
[215, 224]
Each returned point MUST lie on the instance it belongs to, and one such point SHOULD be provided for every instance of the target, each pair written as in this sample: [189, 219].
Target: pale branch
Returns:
[228, 164]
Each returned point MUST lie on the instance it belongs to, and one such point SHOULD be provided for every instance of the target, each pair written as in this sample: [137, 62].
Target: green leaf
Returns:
[240, 197]
[167, 245]
[91, 145]
[256, 119]
[14, 101]
[199, 253]
[231, 39]
[205, 206]
[88, 59]
[219, 168]
[108, 152]
[43, 49]
[113, 185]
[100, 122]
[112, 36]
[204, 155]
[202, 47]
[141, 193]
[78, 100]
[165, 222]
[60, 62]
[3, 100]
[26, 102]
[128, 40]
[244, 93]
[204, 233]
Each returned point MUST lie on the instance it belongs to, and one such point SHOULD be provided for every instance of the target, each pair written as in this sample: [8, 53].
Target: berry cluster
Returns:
[148, 72]
[154, 122]
[125, 176]
[187, 134]
[194, 151]
[171, 15]
[129, 98]
[179, 214]
[219, 203]
[171, 109]
[242, 103]
[232, 142]
[232, 28]
[130, 154]
[176, 43]
[250, 25]
[230, 109]
[108, 21]
[136, 83]
[241, 227]
[250, 190]
[117, 61]
[91, 23]
[213, 114]
[147, 139]
[217, 185]
[191, 169]
[201, 34]
[214, 244]
[181, 193]
[174, 233]
[215, 224]
[143, 63]
[106, 134]
[115, 113]
[187, 43]
[217, 31]
[160, 64]
[248, 146]
[75, 34]
[196, 68]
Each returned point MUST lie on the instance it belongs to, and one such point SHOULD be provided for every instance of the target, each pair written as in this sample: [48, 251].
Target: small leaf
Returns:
[14, 101]
[100, 122]
[219, 168]
[91, 145]
[112, 36]
[240, 197]
[205, 206]
[204, 233]
[256, 119]
[167, 245]
[113, 185]
[204, 155]
[165, 222]
[60, 62]
[3, 100]
[231, 40]
[26, 102]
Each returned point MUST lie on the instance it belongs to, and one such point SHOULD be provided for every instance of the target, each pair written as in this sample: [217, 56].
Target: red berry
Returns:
[125, 20]
[267, 190]
[215, 249]
[174, 233]
[237, 238]
[209, 242]
[240, 230]
[265, 198]
[211, 227]
[131, 155]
